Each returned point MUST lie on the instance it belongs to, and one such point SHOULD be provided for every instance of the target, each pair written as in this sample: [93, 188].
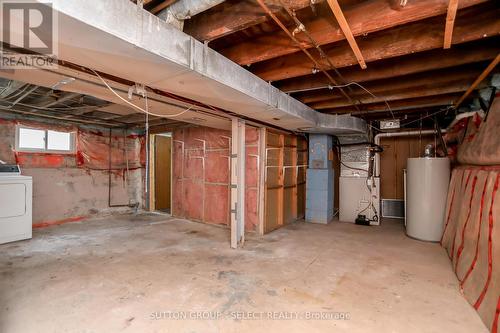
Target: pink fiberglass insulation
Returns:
[201, 175]
[472, 227]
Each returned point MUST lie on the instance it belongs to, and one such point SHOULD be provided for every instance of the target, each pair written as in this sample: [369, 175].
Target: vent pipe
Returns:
[182, 10]
[397, 134]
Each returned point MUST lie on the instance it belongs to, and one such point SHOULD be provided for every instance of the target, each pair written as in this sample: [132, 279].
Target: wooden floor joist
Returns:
[325, 30]
[411, 103]
[396, 42]
[158, 8]
[339, 15]
[317, 65]
[450, 22]
[389, 69]
[396, 95]
[232, 16]
[325, 45]
[420, 82]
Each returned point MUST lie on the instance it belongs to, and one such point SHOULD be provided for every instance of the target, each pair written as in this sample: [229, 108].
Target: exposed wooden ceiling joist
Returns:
[402, 43]
[399, 94]
[344, 26]
[415, 81]
[412, 103]
[410, 64]
[317, 65]
[450, 22]
[405, 113]
[476, 84]
[325, 30]
[407, 39]
[233, 16]
[158, 8]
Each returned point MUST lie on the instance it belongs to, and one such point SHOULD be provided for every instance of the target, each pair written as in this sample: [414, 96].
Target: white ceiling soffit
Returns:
[119, 38]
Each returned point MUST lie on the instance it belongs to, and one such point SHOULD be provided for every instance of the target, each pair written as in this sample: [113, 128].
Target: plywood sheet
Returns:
[393, 161]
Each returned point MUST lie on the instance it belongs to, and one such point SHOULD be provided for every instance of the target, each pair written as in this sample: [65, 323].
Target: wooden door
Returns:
[162, 179]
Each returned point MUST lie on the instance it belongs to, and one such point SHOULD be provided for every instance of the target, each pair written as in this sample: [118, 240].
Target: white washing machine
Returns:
[16, 196]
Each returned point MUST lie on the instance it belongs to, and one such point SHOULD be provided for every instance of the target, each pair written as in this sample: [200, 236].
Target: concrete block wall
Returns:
[71, 187]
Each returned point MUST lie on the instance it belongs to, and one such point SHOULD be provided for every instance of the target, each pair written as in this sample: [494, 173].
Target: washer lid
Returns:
[9, 170]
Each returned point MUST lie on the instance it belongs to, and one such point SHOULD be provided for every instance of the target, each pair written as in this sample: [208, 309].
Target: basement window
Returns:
[44, 141]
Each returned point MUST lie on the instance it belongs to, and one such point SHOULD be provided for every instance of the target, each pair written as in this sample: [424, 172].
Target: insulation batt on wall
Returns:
[472, 227]
[201, 177]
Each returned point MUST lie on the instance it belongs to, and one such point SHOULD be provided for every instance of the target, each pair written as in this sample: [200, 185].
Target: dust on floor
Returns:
[152, 273]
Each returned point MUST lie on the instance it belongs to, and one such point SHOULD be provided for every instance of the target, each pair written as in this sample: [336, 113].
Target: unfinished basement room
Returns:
[206, 166]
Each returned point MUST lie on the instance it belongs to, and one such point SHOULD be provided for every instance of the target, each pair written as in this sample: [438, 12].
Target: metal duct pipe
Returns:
[176, 13]
[397, 134]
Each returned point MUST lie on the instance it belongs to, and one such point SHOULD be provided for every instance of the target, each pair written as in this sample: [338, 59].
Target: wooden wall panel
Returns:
[286, 157]
[274, 182]
[163, 150]
[393, 162]
[272, 221]
[302, 151]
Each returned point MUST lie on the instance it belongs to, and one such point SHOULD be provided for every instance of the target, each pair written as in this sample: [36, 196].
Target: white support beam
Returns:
[238, 183]
[262, 178]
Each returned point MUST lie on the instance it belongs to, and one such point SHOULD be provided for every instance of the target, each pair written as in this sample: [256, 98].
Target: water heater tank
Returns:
[426, 191]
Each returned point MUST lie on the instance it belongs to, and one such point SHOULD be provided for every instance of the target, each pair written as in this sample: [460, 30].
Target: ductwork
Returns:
[182, 10]
[121, 39]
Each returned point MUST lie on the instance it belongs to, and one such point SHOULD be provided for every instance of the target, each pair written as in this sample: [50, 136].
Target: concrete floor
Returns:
[140, 273]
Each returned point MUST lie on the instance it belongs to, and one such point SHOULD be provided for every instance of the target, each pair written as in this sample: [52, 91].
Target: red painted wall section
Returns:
[70, 187]
[92, 148]
[201, 175]
[9, 154]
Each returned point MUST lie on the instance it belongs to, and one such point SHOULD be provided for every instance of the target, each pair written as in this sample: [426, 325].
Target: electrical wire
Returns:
[368, 91]
[414, 121]
[301, 27]
[317, 64]
[353, 168]
[147, 112]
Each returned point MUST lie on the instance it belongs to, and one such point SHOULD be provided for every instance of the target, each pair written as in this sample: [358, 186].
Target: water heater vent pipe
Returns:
[397, 134]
